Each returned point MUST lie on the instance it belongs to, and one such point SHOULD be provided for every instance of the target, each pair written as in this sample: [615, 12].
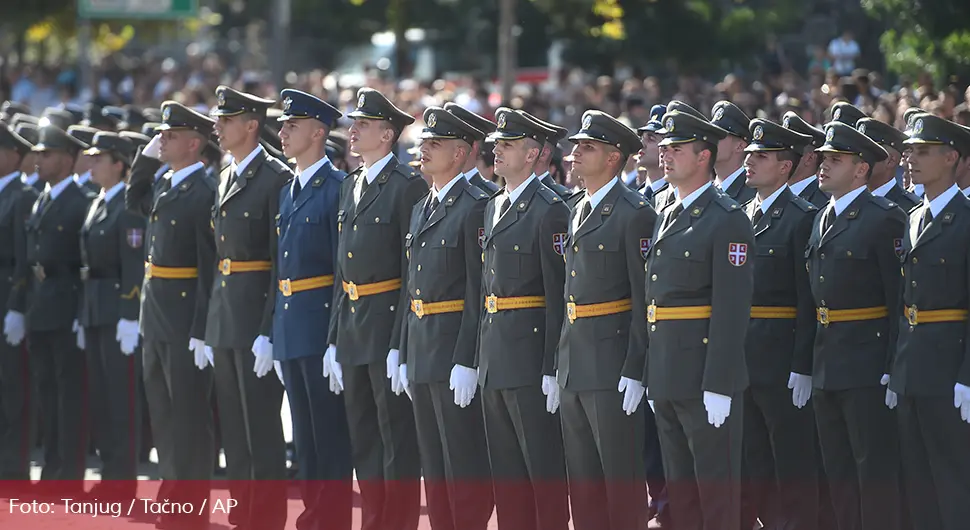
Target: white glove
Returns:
[154, 147]
[78, 334]
[961, 400]
[201, 352]
[392, 362]
[652, 407]
[891, 397]
[464, 381]
[332, 370]
[801, 388]
[278, 367]
[209, 356]
[403, 374]
[550, 389]
[126, 333]
[718, 408]
[263, 350]
[14, 327]
[632, 391]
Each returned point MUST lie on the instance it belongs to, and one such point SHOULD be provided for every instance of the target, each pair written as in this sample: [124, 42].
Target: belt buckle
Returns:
[39, 272]
[225, 267]
[652, 313]
[285, 287]
[148, 270]
[823, 315]
[491, 303]
[418, 308]
[912, 315]
[352, 291]
[85, 273]
[571, 311]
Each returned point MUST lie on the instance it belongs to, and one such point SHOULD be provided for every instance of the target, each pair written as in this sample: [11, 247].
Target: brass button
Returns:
[350, 254]
[848, 253]
[222, 237]
[515, 248]
[286, 253]
[823, 303]
[492, 271]
[184, 294]
[942, 260]
[223, 213]
[442, 241]
[822, 255]
[353, 309]
[601, 246]
[704, 340]
[916, 260]
[286, 305]
[653, 327]
[878, 334]
[377, 219]
[821, 279]
[223, 283]
[355, 228]
[417, 292]
[575, 248]
[572, 298]
[686, 253]
[914, 283]
[419, 267]
[155, 218]
[771, 251]
[308, 219]
[423, 243]
[654, 277]
[658, 251]
[573, 274]
[245, 214]
[173, 222]
[535, 330]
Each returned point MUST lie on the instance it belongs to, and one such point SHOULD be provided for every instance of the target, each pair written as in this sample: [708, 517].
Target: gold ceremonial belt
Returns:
[915, 316]
[825, 316]
[574, 311]
[288, 287]
[695, 312]
[494, 304]
[421, 308]
[170, 273]
[228, 266]
[773, 312]
[354, 291]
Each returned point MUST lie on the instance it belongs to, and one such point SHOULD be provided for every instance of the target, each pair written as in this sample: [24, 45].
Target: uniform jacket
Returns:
[906, 200]
[931, 357]
[604, 263]
[812, 194]
[444, 264]
[113, 255]
[854, 265]
[523, 257]
[487, 186]
[776, 347]
[704, 258]
[563, 192]
[244, 221]
[52, 243]
[371, 249]
[307, 243]
[16, 202]
[739, 190]
[178, 234]
[661, 198]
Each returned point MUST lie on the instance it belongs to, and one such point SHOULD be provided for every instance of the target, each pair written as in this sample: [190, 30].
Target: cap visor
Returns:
[833, 149]
[221, 112]
[505, 135]
[912, 140]
[650, 127]
[430, 135]
[672, 140]
[583, 136]
[755, 147]
[363, 115]
[93, 151]
[39, 147]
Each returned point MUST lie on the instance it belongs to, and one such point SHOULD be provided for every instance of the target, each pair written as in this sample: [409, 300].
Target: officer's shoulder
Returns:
[476, 193]
[802, 204]
[634, 199]
[406, 172]
[210, 183]
[547, 194]
[882, 202]
[726, 203]
[277, 166]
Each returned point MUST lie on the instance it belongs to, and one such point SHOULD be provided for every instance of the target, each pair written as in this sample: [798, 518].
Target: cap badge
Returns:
[862, 128]
[587, 121]
[286, 104]
[759, 133]
[167, 113]
[360, 101]
[786, 122]
[829, 134]
[432, 120]
[918, 126]
[222, 98]
[669, 125]
[718, 114]
[836, 114]
[501, 121]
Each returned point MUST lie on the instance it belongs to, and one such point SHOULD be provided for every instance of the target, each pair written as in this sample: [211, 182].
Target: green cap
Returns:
[682, 128]
[882, 134]
[137, 139]
[57, 117]
[52, 137]
[9, 139]
[28, 131]
[731, 118]
[933, 130]
[372, 105]
[680, 106]
[176, 116]
[232, 102]
[842, 138]
[9, 108]
[469, 117]
[515, 126]
[769, 136]
[109, 142]
[601, 127]
[846, 113]
[83, 133]
[441, 124]
[557, 132]
[791, 120]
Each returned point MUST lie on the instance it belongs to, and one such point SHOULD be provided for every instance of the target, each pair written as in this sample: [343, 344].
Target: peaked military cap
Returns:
[731, 118]
[176, 116]
[441, 124]
[273, 116]
[82, 133]
[769, 136]
[909, 113]
[231, 102]
[793, 121]
[372, 105]
[654, 124]
[680, 106]
[269, 138]
[515, 126]
[28, 131]
[682, 128]
[152, 114]
[933, 130]
[337, 145]
[53, 137]
[57, 117]
[114, 143]
[9, 108]
[603, 128]
[298, 105]
[76, 111]
[479, 122]
[23, 118]
[137, 139]
[132, 118]
[116, 114]
[94, 116]
[556, 132]
[149, 128]
[9, 139]
[845, 139]
[882, 134]
[847, 113]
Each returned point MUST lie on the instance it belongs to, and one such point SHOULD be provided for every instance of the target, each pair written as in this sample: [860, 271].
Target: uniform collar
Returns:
[844, 201]
[881, 191]
[83, 178]
[688, 200]
[31, 179]
[798, 187]
[765, 204]
[375, 170]
[471, 173]
[918, 190]
[727, 182]
[310, 171]
[595, 198]
[517, 192]
[107, 195]
[241, 167]
[542, 176]
[936, 205]
[966, 191]
[657, 184]
[8, 179]
[180, 175]
[56, 190]
[444, 191]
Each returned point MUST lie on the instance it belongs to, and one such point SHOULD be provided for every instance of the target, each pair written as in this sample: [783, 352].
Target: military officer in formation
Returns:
[524, 243]
[729, 168]
[82, 166]
[470, 168]
[555, 134]
[804, 181]
[655, 187]
[883, 182]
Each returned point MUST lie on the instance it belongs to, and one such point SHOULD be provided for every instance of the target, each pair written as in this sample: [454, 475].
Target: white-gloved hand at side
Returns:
[464, 381]
[891, 397]
[801, 388]
[718, 408]
[391, 364]
[14, 327]
[961, 400]
[550, 389]
[198, 348]
[154, 147]
[403, 371]
[263, 350]
[332, 370]
[632, 391]
[78, 335]
[126, 333]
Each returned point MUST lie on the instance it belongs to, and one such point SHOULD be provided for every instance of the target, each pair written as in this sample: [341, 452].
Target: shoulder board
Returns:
[407, 171]
[547, 194]
[210, 182]
[725, 201]
[802, 204]
[882, 202]
[635, 199]
[477, 193]
[277, 165]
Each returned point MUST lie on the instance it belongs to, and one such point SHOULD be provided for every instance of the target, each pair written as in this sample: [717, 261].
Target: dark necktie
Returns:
[587, 209]
[829, 220]
[296, 187]
[672, 215]
[758, 214]
[165, 184]
[45, 199]
[927, 219]
[506, 204]
[429, 209]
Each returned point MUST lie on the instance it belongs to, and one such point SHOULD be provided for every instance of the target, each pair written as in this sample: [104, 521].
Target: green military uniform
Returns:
[604, 341]
[889, 137]
[179, 270]
[85, 135]
[439, 337]
[53, 289]
[810, 193]
[853, 265]
[241, 314]
[699, 278]
[369, 311]
[16, 201]
[486, 127]
[732, 119]
[112, 256]
[780, 464]
[847, 113]
[524, 308]
[555, 135]
[931, 354]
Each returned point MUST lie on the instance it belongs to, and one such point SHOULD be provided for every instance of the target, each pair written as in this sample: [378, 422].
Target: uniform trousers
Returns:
[454, 457]
[322, 446]
[654, 463]
[604, 460]
[15, 407]
[935, 449]
[860, 448]
[703, 464]
[385, 448]
[780, 464]
[252, 436]
[526, 455]
[115, 407]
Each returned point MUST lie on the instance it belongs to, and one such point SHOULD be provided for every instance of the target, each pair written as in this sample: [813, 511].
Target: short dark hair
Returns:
[260, 118]
[791, 156]
[699, 146]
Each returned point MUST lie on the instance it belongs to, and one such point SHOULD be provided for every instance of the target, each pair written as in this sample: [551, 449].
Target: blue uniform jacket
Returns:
[307, 229]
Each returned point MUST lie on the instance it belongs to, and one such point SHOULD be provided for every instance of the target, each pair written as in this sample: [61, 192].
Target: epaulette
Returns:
[477, 193]
[635, 199]
[277, 165]
[802, 204]
[547, 194]
[407, 172]
[912, 196]
[725, 201]
[882, 202]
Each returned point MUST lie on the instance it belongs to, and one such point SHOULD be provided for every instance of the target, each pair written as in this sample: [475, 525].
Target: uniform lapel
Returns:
[843, 220]
[515, 210]
[597, 216]
[172, 193]
[374, 188]
[441, 211]
[315, 181]
[686, 218]
[777, 208]
[240, 181]
[935, 228]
